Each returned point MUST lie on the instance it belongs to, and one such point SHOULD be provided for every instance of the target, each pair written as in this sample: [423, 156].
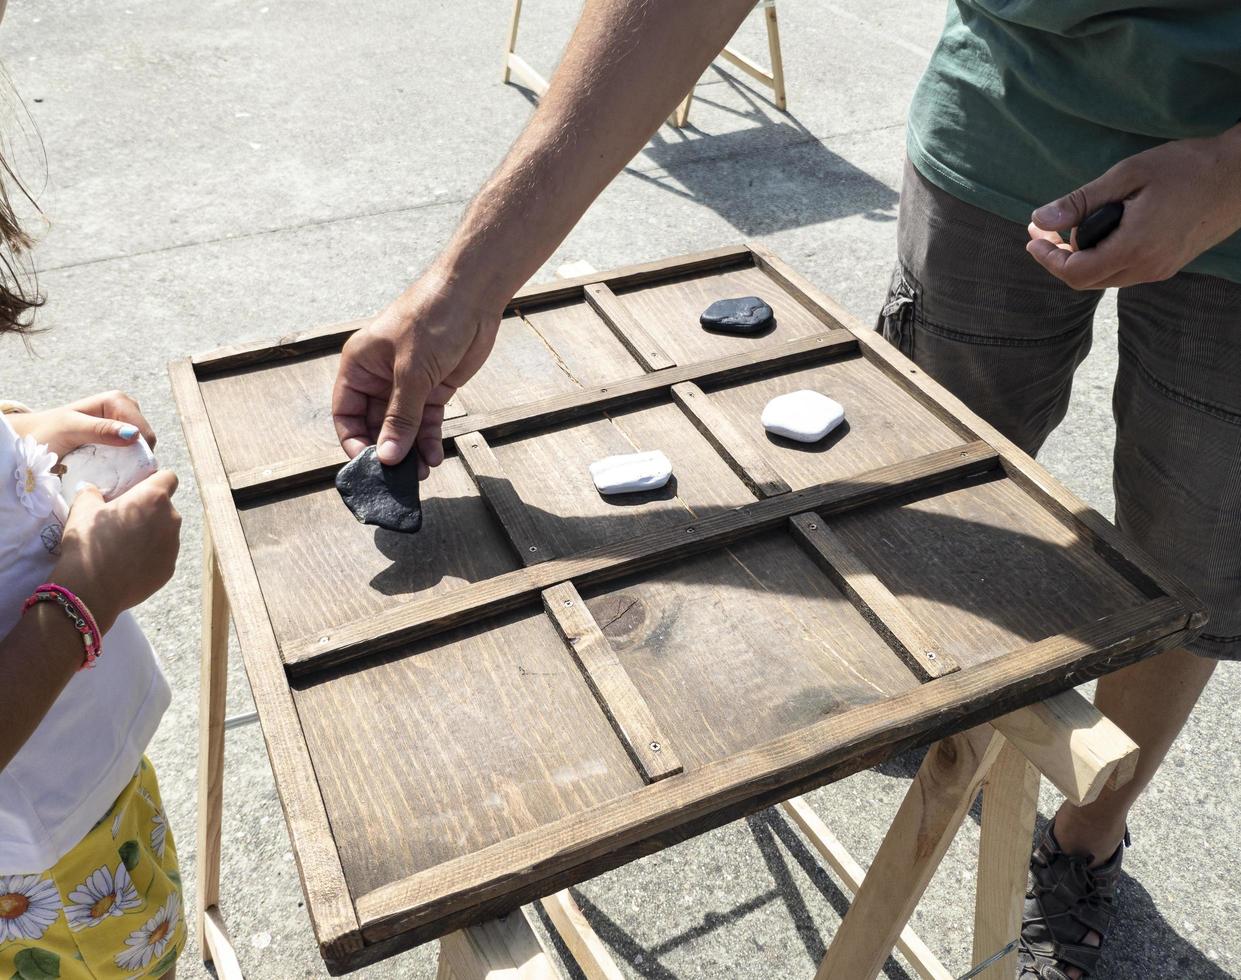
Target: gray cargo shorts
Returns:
[990, 324]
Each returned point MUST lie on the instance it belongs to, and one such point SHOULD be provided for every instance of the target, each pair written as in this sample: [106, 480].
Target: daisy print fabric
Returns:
[37, 485]
[110, 909]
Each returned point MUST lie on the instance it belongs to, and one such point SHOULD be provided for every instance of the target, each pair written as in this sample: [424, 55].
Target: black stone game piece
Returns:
[1099, 224]
[749, 314]
[386, 496]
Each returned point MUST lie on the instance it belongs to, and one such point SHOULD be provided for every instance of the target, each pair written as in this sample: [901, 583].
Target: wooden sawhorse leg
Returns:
[213, 938]
[502, 949]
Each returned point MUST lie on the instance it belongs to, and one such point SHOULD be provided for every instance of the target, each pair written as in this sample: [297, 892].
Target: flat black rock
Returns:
[749, 314]
[386, 496]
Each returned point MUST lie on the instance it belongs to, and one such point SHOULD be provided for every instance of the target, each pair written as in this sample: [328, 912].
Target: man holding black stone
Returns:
[1081, 104]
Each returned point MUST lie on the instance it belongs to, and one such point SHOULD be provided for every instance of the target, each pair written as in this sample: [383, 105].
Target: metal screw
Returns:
[689, 530]
[568, 602]
[813, 527]
[655, 746]
[534, 547]
[930, 655]
[267, 472]
[323, 639]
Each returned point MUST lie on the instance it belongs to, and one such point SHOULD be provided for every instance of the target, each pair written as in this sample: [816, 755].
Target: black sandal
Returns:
[1067, 901]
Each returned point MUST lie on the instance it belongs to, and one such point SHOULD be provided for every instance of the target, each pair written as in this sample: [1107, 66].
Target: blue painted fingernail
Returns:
[127, 431]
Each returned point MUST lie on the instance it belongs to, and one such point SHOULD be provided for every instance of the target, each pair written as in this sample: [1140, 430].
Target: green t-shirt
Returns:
[1025, 100]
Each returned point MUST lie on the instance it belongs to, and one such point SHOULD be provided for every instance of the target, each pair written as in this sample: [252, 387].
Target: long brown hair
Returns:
[19, 290]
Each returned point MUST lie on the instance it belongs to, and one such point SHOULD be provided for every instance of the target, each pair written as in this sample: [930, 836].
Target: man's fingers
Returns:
[431, 434]
[1071, 210]
[403, 416]
[1093, 269]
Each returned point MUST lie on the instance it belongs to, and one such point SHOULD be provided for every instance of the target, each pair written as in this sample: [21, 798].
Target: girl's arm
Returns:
[113, 556]
[37, 659]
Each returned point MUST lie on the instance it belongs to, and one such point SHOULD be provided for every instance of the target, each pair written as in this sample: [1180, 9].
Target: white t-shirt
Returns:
[88, 746]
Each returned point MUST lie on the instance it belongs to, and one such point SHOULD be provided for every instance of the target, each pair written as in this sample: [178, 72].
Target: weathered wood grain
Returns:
[632, 334]
[426, 904]
[497, 489]
[620, 700]
[565, 407]
[921, 651]
[425, 617]
[738, 448]
[323, 880]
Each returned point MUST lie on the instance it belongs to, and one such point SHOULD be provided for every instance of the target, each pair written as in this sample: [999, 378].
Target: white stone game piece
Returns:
[803, 415]
[632, 473]
[113, 469]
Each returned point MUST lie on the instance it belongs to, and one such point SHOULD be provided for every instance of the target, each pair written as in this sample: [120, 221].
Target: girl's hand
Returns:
[1181, 198]
[112, 419]
[116, 554]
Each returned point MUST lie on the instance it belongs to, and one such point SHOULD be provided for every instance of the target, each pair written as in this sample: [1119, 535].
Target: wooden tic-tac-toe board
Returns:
[543, 684]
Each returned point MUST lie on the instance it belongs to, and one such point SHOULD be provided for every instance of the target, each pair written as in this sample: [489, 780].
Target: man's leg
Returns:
[969, 306]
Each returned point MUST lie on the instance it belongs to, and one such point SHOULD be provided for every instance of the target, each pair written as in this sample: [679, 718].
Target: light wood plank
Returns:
[924, 654]
[1009, 809]
[212, 690]
[940, 797]
[626, 710]
[327, 894]
[591, 956]
[632, 334]
[497, 489]
[738, 449]
[925, 963]
[219, 949]
[428, 616]
[1073, 744]
[502, 949]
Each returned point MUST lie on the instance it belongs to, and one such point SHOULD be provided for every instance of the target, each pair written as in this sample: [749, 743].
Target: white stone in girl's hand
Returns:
[632, 473]
[805, 416]
[113, 469]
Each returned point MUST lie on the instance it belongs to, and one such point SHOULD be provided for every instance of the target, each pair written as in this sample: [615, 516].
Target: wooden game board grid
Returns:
[356, 929]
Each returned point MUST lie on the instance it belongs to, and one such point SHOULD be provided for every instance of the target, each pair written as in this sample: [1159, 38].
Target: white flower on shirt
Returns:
[28, 905]
[159, 833]
[148, 943]
[37, 486]
[101, 895]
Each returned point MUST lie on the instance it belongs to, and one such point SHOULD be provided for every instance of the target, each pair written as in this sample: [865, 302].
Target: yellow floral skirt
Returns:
[109, 909]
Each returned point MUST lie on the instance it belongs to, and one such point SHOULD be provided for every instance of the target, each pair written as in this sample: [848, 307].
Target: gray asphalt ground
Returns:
[220, 171]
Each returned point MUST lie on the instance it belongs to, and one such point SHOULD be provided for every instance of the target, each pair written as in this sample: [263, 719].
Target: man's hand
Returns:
[111, 419]
[1181, 198]
[627, 66]
[397, 373]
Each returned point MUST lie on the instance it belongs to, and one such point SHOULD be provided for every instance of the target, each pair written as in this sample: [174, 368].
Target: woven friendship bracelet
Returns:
[79, 615]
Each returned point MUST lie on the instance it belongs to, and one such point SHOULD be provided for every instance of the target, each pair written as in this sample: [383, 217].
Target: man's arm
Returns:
[626, 67]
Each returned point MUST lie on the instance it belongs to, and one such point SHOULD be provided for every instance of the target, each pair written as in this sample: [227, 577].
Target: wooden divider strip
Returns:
[586, 844]
[627, 710]
[737, 449]
[259, 481]
[416, 620]
[628, 330]
[497, 492]
[1120, 553]
[924, 655]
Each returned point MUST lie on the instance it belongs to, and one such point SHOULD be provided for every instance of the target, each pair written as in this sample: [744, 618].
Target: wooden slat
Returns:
[924, 654]
[311, 468]
[621, 322]
[1009, 809]
[591, 956]
[925, 963]
[423, 905]
[497, 490]
[926, 823]
[323, 880]
[1073, 744]
[609, 682]
[424, 618]
[324, 337]
[738, 449]
[506, 948]
[218, 946]
[527, 75]
[1121, 553]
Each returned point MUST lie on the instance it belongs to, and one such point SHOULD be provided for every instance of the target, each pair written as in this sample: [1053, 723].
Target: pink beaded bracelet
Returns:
[77, 612]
